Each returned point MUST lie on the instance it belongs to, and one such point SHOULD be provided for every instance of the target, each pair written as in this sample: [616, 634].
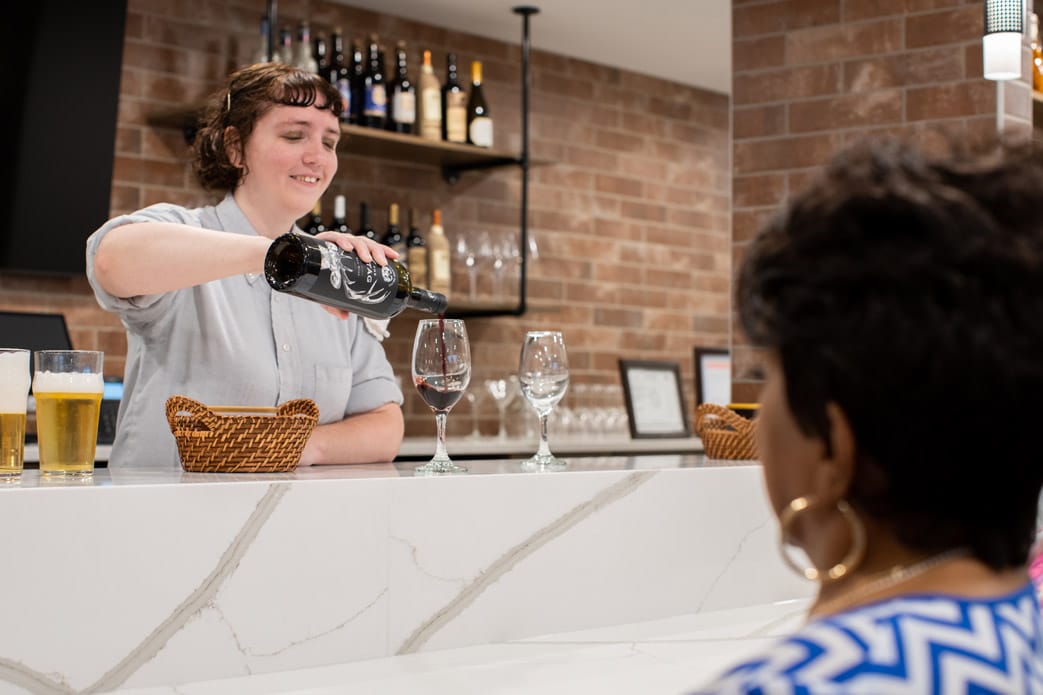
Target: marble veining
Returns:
[516, 554]
[728, 564]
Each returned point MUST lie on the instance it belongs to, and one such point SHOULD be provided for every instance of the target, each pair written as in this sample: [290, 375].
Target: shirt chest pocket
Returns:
[332, 390]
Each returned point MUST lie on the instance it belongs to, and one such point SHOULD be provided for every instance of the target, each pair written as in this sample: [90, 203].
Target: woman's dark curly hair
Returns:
[909, 291]
[248, 95]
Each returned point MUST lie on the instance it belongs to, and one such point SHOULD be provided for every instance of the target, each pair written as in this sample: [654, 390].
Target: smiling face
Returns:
[290, 159]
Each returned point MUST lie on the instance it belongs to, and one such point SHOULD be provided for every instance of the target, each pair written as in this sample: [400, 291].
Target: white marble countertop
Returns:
[666, 656]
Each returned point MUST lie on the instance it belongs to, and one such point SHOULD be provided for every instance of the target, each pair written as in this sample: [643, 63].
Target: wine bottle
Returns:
[321, 53]
[416, 252]
[323, 272]
[261, 56]
[374, 109]
[430, 102]
[358, 81]
[365, 229]
[340, 216]
[339, 73]
[479, 123]
[285, 46]
[393, 237]
[454, 105]
[402, 102]
[315, 223]
[302, 57]
[438, 270]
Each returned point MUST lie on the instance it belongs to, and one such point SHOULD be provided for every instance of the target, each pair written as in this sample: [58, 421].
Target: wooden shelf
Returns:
[370, 142]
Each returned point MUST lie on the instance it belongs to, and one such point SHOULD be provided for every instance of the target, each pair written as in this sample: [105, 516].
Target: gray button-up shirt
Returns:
[232, 342]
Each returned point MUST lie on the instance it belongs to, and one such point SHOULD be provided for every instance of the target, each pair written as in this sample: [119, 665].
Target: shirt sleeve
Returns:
[373, 383]
[141, 308]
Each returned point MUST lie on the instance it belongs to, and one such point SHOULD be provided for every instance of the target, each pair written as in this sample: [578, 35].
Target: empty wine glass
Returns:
[441, 372]
[468, 256]
[503, 392]
[543, 372]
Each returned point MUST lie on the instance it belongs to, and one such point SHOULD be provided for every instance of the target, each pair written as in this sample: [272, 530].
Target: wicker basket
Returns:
[264, 443]
[725, 434]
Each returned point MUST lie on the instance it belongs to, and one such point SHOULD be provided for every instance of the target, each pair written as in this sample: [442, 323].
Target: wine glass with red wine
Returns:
[441, 373]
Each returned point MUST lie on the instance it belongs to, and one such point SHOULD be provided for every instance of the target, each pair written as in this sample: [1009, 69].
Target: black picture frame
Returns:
[654, 399]
[705, 360]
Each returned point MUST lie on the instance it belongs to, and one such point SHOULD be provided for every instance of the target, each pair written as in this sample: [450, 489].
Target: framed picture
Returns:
[655, 403]
[713, 376]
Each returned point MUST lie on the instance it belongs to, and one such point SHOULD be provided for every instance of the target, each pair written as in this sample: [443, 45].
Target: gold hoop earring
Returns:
[849, 561]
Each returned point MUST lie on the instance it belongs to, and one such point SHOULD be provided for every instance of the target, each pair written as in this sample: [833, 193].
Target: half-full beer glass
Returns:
[68, 385]
[14, 393]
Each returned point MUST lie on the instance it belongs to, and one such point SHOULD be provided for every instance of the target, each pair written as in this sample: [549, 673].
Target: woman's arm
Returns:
[155, 257]
[371, 437]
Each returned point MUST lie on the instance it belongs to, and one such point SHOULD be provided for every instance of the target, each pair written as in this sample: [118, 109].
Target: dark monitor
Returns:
[33, 332]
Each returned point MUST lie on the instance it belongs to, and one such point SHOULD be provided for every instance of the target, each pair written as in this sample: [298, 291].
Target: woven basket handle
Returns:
[730, 417]
[183, 404]
[299, 406]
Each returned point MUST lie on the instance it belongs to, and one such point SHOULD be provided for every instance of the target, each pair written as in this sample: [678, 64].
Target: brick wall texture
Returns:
[631, 213]
[812, 76]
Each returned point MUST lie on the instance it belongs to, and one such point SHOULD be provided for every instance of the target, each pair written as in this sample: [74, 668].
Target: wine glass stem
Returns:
[544, 450]
[473, 276]
[440, 452]
[501, 432]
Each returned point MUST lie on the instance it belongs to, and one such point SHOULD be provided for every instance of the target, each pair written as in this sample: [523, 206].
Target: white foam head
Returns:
[67, 382]
[14, 381]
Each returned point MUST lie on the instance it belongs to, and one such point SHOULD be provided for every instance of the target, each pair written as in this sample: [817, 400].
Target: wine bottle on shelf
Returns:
[438, 270]
[365, 229]
[285, 46]
[315, 223]
[340, 216]
[261, 56]
[402, 101]
[1037, 56]
[339, 73]
[429, 104]
[416, 252]
[393, 237]
[374, 109]
[321, 53]
[479, 123]
[302, 57]
[454, 105]
[323, 272]
[357, 70]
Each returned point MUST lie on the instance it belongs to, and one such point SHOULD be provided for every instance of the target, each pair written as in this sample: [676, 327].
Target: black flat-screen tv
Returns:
[62, 79]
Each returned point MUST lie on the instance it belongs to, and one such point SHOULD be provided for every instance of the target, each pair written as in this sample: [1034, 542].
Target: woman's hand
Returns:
[367, 249]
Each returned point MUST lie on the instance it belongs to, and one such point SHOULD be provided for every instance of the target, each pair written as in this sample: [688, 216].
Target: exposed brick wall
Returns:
[631, 214]
[811, 76]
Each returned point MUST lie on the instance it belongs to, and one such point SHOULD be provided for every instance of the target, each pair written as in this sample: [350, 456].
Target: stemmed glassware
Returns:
[543, 372]
[441, 373]
[468, 255]
[503, 392]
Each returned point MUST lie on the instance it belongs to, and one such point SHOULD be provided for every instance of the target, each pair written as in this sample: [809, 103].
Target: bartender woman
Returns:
[202, 321]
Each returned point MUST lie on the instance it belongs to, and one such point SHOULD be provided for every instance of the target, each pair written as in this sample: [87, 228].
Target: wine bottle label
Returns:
[375, 100]
[432, 105]
[418, 265]
[363, 283]
[403, 106]
[344, 87]
[439, 269]
[481, 131]
[456, 124]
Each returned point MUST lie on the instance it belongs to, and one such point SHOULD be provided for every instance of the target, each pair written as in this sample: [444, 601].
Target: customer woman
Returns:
[900, 305]
[202, 321]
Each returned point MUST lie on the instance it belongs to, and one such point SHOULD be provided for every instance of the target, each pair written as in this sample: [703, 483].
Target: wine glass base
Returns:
[440, 466]
[544, 463]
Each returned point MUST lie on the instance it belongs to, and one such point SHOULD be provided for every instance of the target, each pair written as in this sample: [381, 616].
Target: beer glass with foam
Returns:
[68, 385]
[14, 393]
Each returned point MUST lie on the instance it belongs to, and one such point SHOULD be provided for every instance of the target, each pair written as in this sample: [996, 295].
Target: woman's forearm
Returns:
[371, 437]
[155, 257]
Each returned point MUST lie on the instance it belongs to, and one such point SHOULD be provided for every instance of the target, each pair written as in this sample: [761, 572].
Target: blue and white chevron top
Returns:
[916, 644]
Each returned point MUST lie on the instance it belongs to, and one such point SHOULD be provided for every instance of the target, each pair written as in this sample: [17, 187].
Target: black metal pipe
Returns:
[525, 11]
[273, 12]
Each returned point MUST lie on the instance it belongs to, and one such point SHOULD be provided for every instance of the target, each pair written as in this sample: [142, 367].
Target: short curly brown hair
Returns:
[247, 95]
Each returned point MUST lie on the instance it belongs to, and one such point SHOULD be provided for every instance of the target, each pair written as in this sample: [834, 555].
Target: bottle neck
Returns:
[426, 300]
